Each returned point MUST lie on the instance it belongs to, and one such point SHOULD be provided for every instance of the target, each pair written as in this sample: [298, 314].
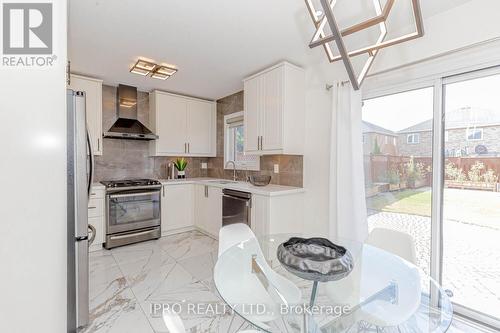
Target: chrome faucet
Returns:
[234, 169]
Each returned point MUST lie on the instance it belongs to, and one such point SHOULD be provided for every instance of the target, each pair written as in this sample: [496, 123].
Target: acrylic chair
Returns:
[234, 234]
[370, 273]
[243, 285]
[393, 241]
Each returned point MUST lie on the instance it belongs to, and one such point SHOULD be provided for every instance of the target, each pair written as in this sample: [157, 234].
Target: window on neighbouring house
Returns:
[234, 140]
[474, 134]
[364, 138]
[413, 138]
[386, 140]
[394, 141]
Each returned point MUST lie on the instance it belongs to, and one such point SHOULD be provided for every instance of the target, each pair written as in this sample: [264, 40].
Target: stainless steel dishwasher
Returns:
[236, 207]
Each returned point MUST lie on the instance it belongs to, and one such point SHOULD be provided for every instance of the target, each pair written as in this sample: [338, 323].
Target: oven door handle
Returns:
[113, 196]
[131, 234]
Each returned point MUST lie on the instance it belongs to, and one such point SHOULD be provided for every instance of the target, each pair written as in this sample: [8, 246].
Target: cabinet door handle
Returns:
[185, 147]
[206, 191]
[261, 142]
[258, 143]
[189, 148]
[163, 190]
[98, 144]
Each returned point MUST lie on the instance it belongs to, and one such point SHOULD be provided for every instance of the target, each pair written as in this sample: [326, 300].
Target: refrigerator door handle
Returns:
[91, 162]
[93, 233]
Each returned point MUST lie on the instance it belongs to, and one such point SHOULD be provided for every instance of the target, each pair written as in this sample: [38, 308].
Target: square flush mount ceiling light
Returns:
[163, 72]
[145, 68]
[327, 16]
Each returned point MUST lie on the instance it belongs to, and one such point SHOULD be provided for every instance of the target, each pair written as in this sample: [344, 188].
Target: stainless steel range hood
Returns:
[127, 126]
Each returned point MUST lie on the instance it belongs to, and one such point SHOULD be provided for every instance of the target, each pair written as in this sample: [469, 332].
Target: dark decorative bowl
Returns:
[315, 259]
[259, 180]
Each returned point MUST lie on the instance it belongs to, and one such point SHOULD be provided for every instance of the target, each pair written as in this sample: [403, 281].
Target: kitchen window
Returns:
[413, 138]
[474, 134]
[234, 139]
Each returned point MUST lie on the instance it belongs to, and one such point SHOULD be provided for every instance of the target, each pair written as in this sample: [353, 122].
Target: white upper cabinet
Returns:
[171, 122]
[200, 127]
[185, 126]
[275, 111]
[252, 115]
[93, 107]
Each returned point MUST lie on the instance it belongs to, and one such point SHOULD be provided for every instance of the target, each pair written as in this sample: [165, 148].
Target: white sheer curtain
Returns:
[347, 186]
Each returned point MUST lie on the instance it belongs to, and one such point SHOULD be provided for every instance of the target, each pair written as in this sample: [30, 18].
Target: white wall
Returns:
[33, 192]
[473, 22]
[317, 146]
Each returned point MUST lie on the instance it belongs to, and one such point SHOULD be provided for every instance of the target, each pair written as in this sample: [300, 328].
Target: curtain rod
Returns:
[330, 86]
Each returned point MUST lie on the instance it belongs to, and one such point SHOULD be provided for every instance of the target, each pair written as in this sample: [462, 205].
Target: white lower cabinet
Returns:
[189, 206]
[208, 209]
[277, 214]
[176, 207]
[96, 216]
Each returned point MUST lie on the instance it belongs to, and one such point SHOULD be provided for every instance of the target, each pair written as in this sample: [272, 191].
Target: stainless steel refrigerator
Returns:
[80, 170]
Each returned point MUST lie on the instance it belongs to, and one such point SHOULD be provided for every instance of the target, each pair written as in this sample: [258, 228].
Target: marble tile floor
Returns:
[126, 283]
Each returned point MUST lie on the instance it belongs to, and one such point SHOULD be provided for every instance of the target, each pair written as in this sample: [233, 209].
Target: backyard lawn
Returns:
[414, 202]
[467, 206]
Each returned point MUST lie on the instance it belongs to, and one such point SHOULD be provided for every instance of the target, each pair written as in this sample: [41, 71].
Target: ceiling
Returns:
[214, 44]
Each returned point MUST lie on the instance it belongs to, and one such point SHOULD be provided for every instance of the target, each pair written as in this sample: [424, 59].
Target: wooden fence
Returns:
[378, 169]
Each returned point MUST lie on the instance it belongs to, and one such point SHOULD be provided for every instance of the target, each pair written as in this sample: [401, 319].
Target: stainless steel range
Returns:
[133, 211]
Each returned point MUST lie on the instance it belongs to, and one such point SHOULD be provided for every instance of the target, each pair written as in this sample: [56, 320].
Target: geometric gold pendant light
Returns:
[326, 16]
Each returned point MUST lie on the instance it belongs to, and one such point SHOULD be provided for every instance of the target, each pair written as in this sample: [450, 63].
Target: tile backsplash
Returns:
[130, 158]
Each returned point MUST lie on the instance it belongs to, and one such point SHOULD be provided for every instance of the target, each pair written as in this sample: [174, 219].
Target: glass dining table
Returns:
[382, 293]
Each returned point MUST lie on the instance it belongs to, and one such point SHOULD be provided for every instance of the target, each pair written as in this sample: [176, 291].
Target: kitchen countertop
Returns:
[269, 190]
[98, 186]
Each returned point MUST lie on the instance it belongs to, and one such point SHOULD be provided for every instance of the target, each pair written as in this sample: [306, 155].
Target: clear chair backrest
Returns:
[173, 322]
[393, 241]
[234, 234]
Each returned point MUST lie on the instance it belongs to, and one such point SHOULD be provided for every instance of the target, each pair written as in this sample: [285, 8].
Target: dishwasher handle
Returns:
[248, 202]
[237, 194]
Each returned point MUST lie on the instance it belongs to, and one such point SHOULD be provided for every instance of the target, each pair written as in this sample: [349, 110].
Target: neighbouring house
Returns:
[378, 140]
[468, 132]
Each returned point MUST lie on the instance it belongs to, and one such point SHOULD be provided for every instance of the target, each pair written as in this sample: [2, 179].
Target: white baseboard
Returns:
[206, 233]
[177, 231]
[187, 229]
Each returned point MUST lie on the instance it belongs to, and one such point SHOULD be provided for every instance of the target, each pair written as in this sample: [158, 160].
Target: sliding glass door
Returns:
[432, 170]
[397, 149]
[471, 198]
